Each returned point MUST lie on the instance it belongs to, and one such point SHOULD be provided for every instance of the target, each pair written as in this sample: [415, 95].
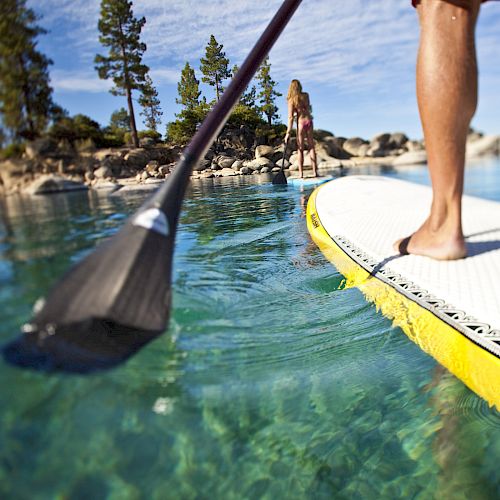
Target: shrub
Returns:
[156, 136]
[181, 130]
[12, 151]
[77, 128]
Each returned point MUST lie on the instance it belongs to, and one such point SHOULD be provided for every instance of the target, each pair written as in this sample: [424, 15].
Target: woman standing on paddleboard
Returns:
[300, 107]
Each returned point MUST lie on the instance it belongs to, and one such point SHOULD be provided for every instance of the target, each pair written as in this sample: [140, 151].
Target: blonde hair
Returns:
[294, 93]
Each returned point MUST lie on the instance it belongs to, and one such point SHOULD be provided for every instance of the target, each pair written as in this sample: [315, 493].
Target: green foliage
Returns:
[15, 150]
[214, 66]
[152, 134]
[120, 32]
[25, 93]
[77, 128]
[268, 93]
[188, 89]
[119, 125]
[271, 133]
[182, 130]
[150, 104]
[245, 115]
[119, 120]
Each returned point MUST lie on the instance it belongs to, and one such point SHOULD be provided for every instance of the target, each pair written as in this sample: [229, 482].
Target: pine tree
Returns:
[188, 88]
[249, 97]
[120, 33]
[214, 66]
[119, 120]
[25, 93]
[150, 105]
[268, 93]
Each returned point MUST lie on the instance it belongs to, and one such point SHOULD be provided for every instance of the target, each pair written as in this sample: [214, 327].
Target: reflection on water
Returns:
[273, 380]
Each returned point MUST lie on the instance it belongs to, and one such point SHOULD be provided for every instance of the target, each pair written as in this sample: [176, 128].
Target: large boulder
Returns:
[224, 161]
[321, 135]
[237, 165]
[227, 172]
[264, 151]
[137, 159]
[102, 173]
[258, 163]
[380, 140]
[414, 146]
[102, 154]
[335, 149]
[202, 165]
[353, 144]
[282, 163]
[14, 173]
[411, 158]
[152, 167]
[48, 184]
[40, 147]
[483, 146]
[397, 140]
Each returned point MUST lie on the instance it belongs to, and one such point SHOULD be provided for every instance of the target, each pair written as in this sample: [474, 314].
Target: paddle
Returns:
[118, 298]
[280, 177]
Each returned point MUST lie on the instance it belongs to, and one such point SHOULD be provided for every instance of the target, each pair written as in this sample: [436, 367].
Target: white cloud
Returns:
[361, 51]
[352, 46]
[71, 81]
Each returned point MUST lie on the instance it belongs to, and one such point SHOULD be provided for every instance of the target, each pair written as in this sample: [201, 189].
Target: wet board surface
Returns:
[450, 309]
[307, 181]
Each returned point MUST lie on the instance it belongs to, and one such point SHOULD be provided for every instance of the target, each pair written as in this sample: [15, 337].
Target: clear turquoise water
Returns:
[272, 381]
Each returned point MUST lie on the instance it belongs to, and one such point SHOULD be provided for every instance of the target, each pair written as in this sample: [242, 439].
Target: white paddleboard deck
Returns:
[365, 215]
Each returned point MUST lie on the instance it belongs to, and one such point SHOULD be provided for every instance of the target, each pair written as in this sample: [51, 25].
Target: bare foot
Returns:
[438, 245]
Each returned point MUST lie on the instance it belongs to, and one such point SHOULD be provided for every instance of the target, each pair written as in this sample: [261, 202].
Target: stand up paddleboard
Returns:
[307, 181]
[450, 309]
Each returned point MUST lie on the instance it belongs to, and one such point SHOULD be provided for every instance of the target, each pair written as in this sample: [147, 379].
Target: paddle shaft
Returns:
[169, 197]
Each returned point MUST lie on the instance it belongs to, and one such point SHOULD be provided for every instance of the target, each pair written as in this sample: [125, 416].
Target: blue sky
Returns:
[356, 59]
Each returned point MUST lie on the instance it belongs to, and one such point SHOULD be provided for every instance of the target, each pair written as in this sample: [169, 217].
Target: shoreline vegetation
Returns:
[43, 149]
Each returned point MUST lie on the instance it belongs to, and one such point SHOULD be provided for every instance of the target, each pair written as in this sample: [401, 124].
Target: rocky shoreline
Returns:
[47, 167]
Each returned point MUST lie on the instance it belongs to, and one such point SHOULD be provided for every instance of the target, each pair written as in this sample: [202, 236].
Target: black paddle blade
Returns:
[118, 298]
[280, 178]
[83, 347]
[108, 306]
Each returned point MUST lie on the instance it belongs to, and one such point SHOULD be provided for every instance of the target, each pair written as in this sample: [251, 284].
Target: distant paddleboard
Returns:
[450, 309]
[307, 181]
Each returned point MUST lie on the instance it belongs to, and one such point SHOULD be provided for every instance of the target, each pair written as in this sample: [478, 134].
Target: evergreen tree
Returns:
[120, 33]
[249, 97]
[214, 66]
[188, 88]
[119, 120]
[150, 105]
[25, 93]
[193, 110]
[268, 93]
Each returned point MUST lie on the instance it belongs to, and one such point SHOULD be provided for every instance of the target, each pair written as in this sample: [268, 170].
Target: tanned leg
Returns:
[447, 98]
[312, 151]
[300, 147]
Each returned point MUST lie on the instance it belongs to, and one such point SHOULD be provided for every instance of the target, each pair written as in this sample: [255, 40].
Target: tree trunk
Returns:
[217, 87]
[27, 102]
[133, 128]
[128, 90]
